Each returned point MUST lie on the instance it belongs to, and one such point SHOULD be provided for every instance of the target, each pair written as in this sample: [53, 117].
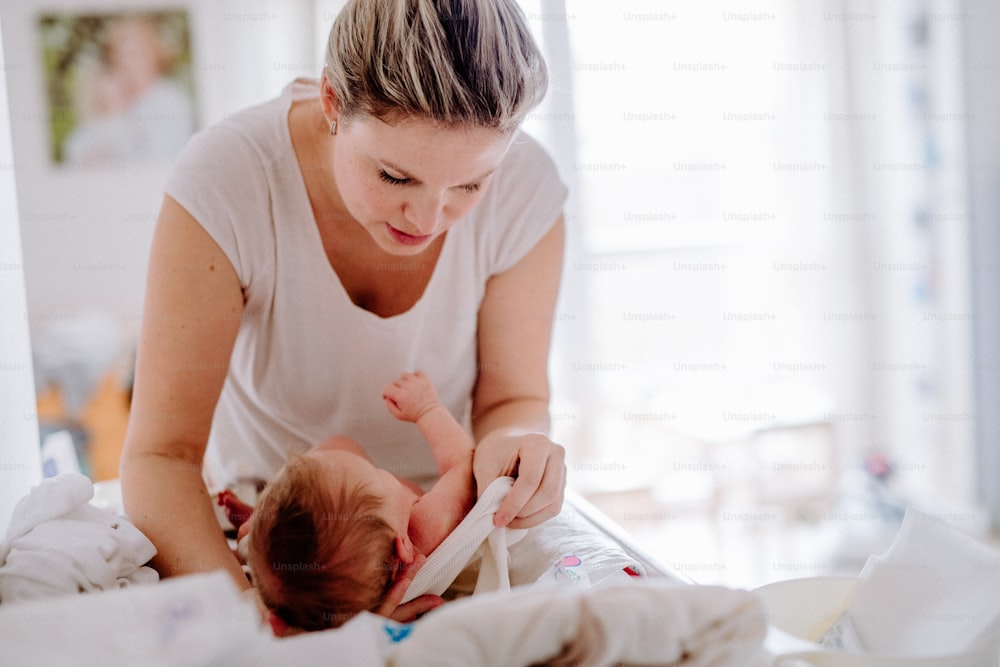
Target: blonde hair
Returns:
[453, 61]
[318, 555]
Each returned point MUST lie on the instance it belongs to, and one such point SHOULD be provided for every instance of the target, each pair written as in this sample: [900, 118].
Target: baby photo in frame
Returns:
[118, 85]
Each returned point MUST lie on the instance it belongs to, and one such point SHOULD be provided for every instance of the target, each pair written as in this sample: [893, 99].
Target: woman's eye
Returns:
[392, 180]
[471, 188]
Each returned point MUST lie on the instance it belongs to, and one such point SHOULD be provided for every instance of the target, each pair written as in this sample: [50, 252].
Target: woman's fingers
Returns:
[537, 493]
[547, 500]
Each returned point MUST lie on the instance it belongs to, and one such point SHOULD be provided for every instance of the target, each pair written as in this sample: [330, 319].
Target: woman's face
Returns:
[409, 181]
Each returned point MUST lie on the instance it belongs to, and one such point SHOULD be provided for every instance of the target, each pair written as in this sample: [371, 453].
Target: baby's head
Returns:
[322, 546]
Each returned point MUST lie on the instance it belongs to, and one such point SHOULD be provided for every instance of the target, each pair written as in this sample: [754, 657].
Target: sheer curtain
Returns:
[982, 62]
[906, 170]
[767, 229]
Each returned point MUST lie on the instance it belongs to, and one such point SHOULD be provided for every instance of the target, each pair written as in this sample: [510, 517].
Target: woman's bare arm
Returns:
[190, 320]
[510, 417]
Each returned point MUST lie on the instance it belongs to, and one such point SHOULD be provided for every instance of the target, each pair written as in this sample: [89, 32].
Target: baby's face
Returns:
[342, 467]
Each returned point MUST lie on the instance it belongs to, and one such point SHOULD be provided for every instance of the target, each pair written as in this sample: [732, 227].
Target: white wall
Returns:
[20, 462]
[86, 233]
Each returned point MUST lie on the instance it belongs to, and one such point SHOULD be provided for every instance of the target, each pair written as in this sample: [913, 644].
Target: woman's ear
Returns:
[329, 100]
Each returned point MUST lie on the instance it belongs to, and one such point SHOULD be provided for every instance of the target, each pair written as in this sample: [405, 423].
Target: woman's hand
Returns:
[538, 466]
[408, 612]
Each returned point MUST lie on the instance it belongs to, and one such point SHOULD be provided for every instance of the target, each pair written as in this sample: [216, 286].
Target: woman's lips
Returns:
[404, 238]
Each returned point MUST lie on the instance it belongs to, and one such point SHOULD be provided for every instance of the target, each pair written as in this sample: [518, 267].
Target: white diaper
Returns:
[458, 549]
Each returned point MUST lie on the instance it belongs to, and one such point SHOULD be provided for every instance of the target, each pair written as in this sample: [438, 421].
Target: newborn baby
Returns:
[332, 533]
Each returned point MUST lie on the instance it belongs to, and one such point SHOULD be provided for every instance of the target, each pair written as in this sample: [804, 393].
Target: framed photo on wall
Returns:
[118, 85]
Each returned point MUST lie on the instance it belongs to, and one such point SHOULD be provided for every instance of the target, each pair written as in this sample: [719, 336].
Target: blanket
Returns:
[647, 622]
[58, 544]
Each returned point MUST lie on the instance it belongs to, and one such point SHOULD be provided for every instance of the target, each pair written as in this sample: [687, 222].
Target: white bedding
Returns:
[57, 543]
[203, 620]
[569, 596]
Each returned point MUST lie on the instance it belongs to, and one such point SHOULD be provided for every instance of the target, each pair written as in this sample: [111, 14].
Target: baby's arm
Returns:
[412, 398]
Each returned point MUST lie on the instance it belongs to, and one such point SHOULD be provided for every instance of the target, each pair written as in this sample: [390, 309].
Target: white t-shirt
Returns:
[308, 363]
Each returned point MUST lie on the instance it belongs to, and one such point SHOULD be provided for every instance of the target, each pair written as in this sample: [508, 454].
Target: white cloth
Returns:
[936, 591]
[193, 620]
[451, 556]
[494, 567]
[203, 620]
[57, 544]
[308, 363]
[652, 622]
[563, 548]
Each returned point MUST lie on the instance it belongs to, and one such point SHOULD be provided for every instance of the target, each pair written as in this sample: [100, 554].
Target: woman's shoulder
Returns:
[226, 177]
[529, 159]
[527, 173]
[524, 200]
[258, 132]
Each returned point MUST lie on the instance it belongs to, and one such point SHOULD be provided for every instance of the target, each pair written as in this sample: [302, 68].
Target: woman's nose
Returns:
[424, 214]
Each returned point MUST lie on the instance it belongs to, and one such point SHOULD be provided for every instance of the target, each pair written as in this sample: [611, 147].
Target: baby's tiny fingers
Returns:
[407, 613]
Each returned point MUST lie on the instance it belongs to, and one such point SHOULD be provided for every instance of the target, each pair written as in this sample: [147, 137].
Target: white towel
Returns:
[650, 622]
[57, 544]
[936, 591]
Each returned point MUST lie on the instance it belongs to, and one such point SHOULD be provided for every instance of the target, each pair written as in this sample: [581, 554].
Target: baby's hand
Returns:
[410, 396]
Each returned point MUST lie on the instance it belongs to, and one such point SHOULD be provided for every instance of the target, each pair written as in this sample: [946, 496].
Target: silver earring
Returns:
[333, 127]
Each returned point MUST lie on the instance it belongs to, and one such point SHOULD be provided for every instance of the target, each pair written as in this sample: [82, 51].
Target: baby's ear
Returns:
[404, 549]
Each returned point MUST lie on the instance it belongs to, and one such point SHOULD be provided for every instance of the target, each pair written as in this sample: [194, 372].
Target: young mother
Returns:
[309, 250]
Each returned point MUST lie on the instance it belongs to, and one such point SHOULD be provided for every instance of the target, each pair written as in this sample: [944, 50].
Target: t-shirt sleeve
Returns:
[525, 200]
[219, 178]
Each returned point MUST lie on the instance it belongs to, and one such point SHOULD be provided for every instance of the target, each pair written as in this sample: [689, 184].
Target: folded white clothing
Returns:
[649, 621]
[933, 592]
[44, 502]
[57, 543]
